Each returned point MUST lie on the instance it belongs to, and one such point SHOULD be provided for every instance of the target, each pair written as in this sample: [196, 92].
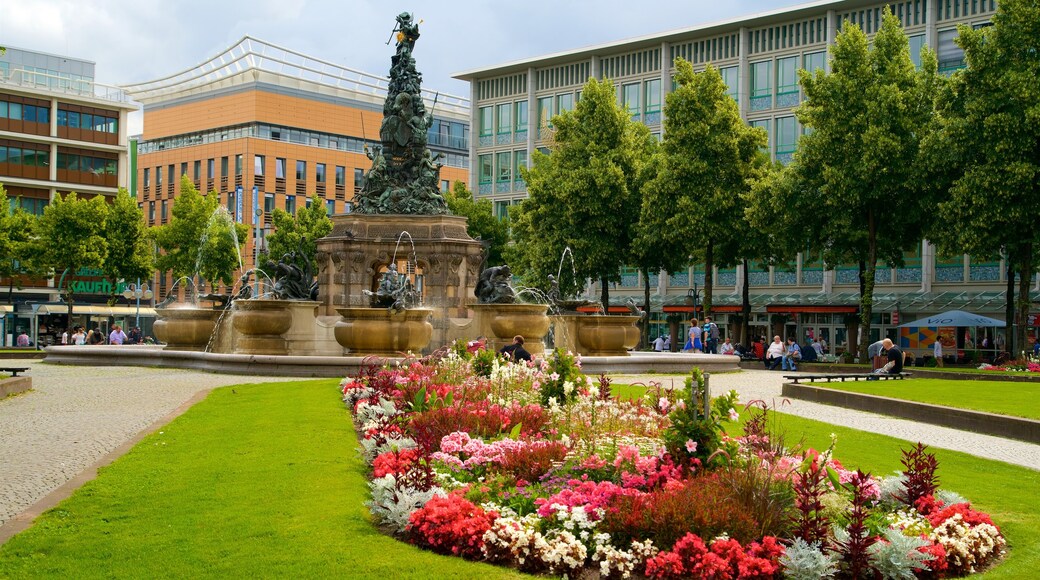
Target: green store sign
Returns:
[101, 286]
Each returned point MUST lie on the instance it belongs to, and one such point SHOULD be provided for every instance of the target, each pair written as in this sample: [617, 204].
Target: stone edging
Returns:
[14, 385]
[22, 521]
[1018, 428]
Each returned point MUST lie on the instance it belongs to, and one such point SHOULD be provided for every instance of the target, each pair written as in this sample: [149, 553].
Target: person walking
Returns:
[65, 337]
[775, 353]
[516, 351]
[694, 343]
[710, 336]
[937, 352]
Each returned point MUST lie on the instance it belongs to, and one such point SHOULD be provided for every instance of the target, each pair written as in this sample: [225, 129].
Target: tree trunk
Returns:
[866, 299]
[604, 295]
[709, 260]
[1025, 271]
[1009, 307]
[745, 307]
[645, 322]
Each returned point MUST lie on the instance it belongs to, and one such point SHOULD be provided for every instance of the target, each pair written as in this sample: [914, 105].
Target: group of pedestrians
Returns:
[95, 336]
[704, 338]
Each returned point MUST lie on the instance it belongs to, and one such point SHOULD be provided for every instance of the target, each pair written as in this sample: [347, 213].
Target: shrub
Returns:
[811, 524]
[805, 561]
[450, 525]
[562, 378]
[919, 467]
[393, 501]
[854, 543]
[531, 462]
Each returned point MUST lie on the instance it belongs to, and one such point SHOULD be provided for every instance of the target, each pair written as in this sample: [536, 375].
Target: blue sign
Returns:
[238, 201]
[256, 206]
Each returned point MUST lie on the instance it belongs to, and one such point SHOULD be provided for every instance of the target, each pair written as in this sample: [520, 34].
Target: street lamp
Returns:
[137, 291]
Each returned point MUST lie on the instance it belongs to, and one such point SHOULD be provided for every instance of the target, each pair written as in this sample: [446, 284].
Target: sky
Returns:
[141, 40]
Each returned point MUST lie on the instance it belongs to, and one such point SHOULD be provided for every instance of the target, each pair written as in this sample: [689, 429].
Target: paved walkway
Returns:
[765, 385]
[76, 415]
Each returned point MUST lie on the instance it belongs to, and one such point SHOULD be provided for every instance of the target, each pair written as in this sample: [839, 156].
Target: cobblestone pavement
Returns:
[75, 415]
[765, 385]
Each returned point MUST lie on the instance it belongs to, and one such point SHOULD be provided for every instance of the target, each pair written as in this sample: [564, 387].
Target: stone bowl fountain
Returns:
[597, 334]
[260, 324]
[185, 328]
[501, 322]
[384, 331]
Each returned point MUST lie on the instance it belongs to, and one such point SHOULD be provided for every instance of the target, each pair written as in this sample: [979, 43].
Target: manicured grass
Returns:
[948, 369]
[1007, 492]
[1001, 397]
[255, 481]
[627, 392]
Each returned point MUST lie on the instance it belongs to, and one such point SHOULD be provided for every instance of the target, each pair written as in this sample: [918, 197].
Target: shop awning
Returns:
[95, 309]
[817, 309]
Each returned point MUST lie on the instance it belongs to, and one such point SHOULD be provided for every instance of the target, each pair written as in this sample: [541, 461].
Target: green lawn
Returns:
[1007, 492]
[627, 392]
[1001, 397]
[255, 481]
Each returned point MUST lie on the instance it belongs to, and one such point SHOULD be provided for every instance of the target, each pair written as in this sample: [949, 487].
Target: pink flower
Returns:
[691, 446]
[554, 377]
[733, 415]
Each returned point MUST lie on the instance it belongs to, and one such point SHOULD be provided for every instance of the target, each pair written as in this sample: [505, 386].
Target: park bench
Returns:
[844, 377]
[14, 370]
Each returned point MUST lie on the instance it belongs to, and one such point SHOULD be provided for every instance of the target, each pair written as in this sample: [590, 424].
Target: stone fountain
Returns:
[401, 195]
[499, 316]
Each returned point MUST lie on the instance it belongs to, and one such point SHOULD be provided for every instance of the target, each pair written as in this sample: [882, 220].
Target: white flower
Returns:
[733, 415]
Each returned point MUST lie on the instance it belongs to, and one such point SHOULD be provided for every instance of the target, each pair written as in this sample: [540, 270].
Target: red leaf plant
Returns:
[450, 525]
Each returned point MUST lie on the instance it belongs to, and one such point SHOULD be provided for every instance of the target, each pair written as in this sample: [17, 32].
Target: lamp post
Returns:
[137, 291]
[257, 213]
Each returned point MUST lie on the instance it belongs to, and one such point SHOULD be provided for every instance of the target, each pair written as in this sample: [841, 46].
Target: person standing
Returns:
[516, 351]
[659, 344]
[78, 338]
[710, 336]
[695, 337]
[775, 354]
[65, 337]
[117, 336]
[937, 352]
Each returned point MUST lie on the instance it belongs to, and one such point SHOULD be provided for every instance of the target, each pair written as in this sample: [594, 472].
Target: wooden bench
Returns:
[844, 377]
[14, 370]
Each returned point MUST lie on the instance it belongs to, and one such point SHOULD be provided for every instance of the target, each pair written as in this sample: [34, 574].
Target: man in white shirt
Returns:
[937, 352]
[659, 344]
[775, 353]
[726, 347]
[65, 337]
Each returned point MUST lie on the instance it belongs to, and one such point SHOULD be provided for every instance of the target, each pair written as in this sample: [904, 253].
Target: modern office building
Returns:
[60, 131]
[758, 56]
[267, 127]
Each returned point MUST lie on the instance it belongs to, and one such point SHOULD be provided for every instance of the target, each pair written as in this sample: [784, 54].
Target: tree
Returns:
[201, 239]
[652, 249]
[481, 223]
[709, 159]
[130, 252]
[860, 166]
[299, 233]
[72, 235]
[17, 233]
[582, 195]
[989, 144]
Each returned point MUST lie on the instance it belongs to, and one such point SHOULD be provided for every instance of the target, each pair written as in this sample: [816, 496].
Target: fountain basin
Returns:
[260, 324]
[383, 332]
[501, 322]
[185, 328]
[597, 334]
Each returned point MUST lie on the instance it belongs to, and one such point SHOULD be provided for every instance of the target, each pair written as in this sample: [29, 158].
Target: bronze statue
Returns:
[493, 286]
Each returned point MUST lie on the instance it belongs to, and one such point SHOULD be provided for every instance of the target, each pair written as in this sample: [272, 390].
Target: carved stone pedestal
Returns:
[383, 332]
[260, 325]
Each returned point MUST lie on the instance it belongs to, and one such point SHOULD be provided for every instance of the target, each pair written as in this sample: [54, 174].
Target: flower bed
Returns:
[539, 468]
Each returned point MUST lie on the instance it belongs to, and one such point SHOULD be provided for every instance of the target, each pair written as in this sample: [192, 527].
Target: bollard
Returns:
[707, 396]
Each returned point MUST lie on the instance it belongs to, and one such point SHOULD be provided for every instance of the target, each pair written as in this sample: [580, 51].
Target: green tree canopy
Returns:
[17, 242]
[72, 234]
[709, 159]
[130, 251]
[583, 195]
[989, 146]
[299, 233]
[859, 170]
[481, 223]
[201, 239]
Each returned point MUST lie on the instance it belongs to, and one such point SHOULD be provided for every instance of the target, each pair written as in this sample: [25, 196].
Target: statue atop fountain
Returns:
[393, 292]
[404, 176]
[493, 286]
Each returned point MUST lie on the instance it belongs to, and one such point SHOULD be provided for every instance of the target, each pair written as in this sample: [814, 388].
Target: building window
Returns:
[786, 75]
[653, 96]
[238, 164]
[505, 167]
[951, 56]
[502, 210]
[319, 171]
[210, 168]
[486, 170]
[564, 103]
[519, 160]
[223, 166]
[731, 76]
[268, 203]
[151, 211]
[545, 112]
[815, 61]
[158, 177]
[445, 186]
[359, 178]
[258, 165]
[197, 169]
[330, 207]
[505, 122]
[786, 135]
[521, 116]
[486, 121]
[341, 176]
[916, 45]
[184, 169]
[147, 177]
[301, 171]
[290, 204]
[172, 179]
[162, 211]
[279, 168]
[764, 124]
[630, 99]
[231, 205]
[761, 78]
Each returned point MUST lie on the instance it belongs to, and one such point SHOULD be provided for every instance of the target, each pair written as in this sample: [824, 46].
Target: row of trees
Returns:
[891, 154]
[200, 241]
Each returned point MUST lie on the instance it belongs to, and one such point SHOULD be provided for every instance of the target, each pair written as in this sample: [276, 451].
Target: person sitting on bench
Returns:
[895, 359]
